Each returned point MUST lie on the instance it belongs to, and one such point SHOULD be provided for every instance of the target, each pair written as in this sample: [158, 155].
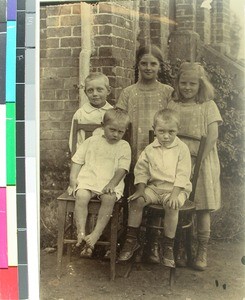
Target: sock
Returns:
[132, 232]
[168, 242]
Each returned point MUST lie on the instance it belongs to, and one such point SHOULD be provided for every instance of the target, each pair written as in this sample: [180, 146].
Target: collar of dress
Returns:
[88, 108]
[156, 143]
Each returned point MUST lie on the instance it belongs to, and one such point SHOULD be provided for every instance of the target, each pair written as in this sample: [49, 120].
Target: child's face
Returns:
[189, 86]
[97, 92]
[149, 67]
[114, 131]
[166, 131]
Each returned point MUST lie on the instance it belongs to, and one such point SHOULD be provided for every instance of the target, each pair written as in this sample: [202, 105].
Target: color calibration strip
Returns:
[19, 191]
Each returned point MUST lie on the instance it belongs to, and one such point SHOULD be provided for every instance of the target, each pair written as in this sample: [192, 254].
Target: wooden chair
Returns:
[186, 212]
[66, 206]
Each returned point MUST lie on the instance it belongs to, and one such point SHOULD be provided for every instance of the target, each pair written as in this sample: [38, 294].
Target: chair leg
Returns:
[61, 230]
[71, 229]
[188, 244]
[172, 272]
[114, 221]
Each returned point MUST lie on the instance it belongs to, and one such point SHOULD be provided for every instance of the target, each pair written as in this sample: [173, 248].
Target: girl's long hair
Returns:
[163, 75]
[206, 89]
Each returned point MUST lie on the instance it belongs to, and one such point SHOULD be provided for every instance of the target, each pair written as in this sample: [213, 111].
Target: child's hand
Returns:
[71, 191]
[173, 202]
[136, 195]
[109, 188]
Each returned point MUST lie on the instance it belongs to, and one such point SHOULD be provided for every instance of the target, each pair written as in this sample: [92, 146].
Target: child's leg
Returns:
[170, 221]
[170, 225]
[131, 244]
[81, 212]
[203, 235]
[104, 215]
[136, 208]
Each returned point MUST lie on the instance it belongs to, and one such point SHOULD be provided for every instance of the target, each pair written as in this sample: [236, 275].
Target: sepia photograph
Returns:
[142, 149]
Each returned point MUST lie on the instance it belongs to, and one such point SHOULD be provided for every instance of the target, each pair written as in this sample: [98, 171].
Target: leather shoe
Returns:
[153, 256]
[127, 252]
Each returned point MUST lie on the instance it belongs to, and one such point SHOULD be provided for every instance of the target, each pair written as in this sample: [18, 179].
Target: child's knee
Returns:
[138, 203]
[83, 195]
[108, 199]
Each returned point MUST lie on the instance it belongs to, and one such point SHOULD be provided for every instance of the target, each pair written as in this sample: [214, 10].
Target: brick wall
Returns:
[60, 40]
[203, 23]
[114, 33]
[220, 34]
[186, 14]
[114, 40]
[118, 28]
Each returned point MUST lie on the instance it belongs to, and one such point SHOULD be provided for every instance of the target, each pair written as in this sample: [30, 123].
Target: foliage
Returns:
[231, 134]
[55, 173]
[228, 223]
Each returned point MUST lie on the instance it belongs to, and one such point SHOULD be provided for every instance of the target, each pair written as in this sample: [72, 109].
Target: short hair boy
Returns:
[162, 176]
[97, 89]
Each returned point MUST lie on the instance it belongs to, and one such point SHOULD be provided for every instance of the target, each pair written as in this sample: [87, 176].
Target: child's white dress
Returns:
[99, 161]
[194, 120]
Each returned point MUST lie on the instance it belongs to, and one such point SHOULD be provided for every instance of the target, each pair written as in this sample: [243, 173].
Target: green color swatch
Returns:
[10, 144]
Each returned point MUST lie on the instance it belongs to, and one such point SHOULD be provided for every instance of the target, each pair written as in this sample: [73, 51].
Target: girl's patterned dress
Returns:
[142, 102]
[194, 120]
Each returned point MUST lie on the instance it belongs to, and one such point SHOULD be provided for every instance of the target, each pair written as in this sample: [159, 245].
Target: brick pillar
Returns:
[114, 43]
[144, 23]
[203, 22]
[184, 45]
[186, 14]
[220, 18]
[159, 24]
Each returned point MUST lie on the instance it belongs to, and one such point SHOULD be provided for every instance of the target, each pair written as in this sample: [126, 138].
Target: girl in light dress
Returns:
[142, 100]
[199, 115]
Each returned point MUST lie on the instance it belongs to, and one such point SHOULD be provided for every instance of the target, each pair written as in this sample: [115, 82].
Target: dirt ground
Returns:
[89, 278]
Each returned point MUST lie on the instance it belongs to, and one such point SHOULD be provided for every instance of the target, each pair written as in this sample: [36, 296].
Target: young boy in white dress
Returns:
[98, 169]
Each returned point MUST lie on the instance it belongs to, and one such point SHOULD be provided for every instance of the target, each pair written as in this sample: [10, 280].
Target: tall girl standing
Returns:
[199, 115]
[142, 100]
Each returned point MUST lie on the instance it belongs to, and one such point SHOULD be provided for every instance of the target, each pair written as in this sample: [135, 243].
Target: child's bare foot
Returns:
[86, 252]
[91, 239]
[80, 238]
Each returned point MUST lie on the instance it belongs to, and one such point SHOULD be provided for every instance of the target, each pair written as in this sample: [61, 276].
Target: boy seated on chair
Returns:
[98, 169]
[162, 176]
[97, 89]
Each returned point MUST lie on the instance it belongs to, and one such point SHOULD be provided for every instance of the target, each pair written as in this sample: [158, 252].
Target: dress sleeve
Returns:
[123, 100]
[141, 170]
[183, 171]
[79, 156]
[124, 156]
[212, 113]
[169, 92]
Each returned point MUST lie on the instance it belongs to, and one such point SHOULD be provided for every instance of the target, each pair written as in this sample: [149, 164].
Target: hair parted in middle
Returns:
[163, 75]
[206, 89]
[116, 114]
[166, 114]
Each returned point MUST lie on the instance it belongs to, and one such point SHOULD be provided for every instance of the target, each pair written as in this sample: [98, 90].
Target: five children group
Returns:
[162, 169]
